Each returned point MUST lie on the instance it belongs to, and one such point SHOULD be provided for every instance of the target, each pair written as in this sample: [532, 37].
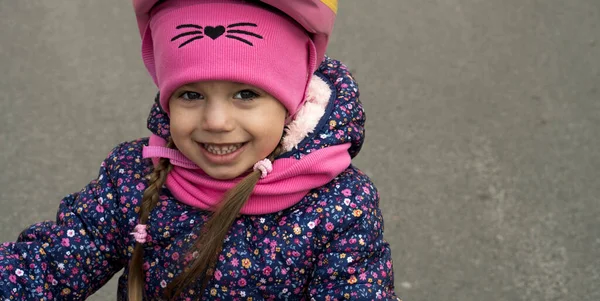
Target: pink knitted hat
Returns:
[199, 40]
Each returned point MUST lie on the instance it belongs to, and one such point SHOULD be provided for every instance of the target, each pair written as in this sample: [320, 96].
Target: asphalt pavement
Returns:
[483, 131]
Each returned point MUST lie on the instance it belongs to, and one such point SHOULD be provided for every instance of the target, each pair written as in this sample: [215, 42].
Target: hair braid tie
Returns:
[140, 233]
[265, 166]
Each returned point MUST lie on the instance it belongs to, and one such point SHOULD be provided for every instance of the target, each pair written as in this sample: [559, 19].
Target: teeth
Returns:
[222, 150]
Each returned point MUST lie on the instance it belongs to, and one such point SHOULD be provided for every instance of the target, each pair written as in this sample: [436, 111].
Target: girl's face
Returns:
[225, 127]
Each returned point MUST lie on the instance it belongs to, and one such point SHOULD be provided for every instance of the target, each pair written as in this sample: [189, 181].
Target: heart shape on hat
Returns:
[214, 32]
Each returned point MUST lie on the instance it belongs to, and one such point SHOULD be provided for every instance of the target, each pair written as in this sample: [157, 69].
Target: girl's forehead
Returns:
[217, 84]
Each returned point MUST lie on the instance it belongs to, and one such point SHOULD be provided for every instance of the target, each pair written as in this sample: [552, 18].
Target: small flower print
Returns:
[329, 226]
[267, 271]
[352, 279]
[246, 263]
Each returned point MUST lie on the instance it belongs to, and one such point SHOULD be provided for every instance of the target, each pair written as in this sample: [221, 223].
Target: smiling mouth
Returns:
[222, 149]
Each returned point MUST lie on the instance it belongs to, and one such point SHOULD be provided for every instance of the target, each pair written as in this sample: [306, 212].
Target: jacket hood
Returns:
[332, 114]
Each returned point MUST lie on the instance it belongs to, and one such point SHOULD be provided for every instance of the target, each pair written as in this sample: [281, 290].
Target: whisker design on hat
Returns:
[237, 31]
[241, 39]
[189, 26]
[241, 24]
[185, 34]
[215, 32]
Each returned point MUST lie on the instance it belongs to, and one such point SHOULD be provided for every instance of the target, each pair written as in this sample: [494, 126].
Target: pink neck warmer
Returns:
[289, 182]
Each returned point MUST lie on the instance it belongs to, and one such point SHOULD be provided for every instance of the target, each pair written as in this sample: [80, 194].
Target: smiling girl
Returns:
[245, 188]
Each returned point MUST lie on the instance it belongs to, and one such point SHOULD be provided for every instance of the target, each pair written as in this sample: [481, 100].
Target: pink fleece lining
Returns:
[308, 116]
[285, 186]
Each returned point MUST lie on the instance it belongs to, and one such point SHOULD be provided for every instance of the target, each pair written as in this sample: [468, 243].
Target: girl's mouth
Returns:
[222, 153]
[222, 149]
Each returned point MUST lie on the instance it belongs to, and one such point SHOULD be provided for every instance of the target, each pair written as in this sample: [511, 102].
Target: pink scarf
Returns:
[289, 182]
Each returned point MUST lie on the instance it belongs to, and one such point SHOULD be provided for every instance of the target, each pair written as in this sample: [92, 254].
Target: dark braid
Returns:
[210, 241]
[149, 201]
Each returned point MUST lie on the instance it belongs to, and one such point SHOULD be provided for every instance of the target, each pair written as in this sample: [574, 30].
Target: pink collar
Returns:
[286, 185]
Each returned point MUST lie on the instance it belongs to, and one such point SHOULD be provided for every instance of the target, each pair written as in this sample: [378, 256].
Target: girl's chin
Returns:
[223, 175]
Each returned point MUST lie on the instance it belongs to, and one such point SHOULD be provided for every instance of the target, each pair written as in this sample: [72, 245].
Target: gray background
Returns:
[482, 136]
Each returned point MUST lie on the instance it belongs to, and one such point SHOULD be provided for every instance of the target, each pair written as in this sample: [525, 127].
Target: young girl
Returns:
[245, 189]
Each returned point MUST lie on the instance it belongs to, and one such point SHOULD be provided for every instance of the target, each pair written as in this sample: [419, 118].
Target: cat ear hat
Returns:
[185, 41]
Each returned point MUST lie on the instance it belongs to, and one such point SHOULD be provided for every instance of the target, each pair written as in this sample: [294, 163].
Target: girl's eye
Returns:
[246, 95]
[191, 95]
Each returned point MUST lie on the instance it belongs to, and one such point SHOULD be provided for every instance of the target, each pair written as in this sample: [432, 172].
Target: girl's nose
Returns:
[217, 117]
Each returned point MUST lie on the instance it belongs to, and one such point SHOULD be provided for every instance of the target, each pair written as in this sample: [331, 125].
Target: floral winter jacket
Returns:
[329, 246]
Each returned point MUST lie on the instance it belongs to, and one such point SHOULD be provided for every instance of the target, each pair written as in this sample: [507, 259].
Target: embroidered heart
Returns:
[214, 32]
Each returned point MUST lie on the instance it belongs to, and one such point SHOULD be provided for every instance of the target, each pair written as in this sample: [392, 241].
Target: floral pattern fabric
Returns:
[329, 246]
